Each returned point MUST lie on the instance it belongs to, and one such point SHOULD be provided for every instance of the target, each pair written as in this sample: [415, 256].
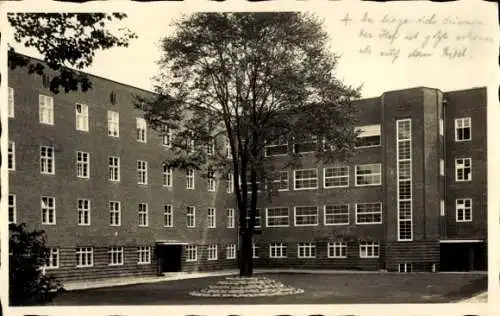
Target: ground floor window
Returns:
[405, 267]
[53, 260]
[306, 250]
[84, 257]
[191, 253]
[115, 255]
[277, 250]
[231, 251]
[369, 249]
[143, 255]
[337, 249]
[212, 252]
[255, 251]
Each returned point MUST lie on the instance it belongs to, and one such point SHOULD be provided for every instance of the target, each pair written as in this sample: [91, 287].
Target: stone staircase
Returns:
[246, 287]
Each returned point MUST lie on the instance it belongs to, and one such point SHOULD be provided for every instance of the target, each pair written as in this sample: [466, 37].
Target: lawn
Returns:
[319, 289]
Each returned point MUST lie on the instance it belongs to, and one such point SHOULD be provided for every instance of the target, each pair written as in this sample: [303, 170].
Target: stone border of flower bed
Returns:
[246, 287]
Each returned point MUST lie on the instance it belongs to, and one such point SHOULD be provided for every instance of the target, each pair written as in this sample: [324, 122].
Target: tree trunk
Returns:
[246, 260]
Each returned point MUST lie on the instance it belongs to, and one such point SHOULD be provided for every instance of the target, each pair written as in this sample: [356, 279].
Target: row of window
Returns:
[85, 255]
[369, 135]
[333, 214]
[303, 179]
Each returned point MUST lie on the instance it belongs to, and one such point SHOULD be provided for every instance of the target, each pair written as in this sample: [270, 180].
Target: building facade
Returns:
[87, 169]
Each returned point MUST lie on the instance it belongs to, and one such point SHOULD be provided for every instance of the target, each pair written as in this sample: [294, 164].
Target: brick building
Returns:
[87, 169]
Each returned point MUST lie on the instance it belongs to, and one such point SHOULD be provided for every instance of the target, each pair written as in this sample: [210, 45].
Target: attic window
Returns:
[369, 136]
[46, 81]
[112, 97]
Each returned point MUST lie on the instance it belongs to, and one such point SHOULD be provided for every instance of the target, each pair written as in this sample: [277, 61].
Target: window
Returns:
[11, 102]
[463, 169]
[277, 217]
[405, 267]
[306, 250]
[336, 214]
[369, 213]
[337, 249]
[464, 210]
[441, 167]
[229, 183]
[212, 183]
[83, 206]
[47, 163]
[84, 257]
[142, 172]
[82, 164]
[167, 176]
[257, 218]
[277, 250]
[463, 129]
[231, 251]
[190, 179]
[229, 154]
[112, 98]
[168, 216]
[255, 251]
[142, 136]
[306, 215]
[336, 177]
[115, 255]
[11, 156]
[404, 180]
[441, 127]
[48, 205]
[191, 216]
[113, 124]
[114, 168]
[12, 209]
[191, 253]
[230, 218]
[369, 249]
[249, 183]
[277, 147]
[368, 175]
[143, 214]
[280, 181]
[53, 259]
[369, 136]
[167, 138]
[305, 179]
[212, 252]
[114, 213]
[305, 145]
[46, 109]
[143, 255]
[82, 117]
[441, 207]
[211, 147]
[211, 218]
[191, 143]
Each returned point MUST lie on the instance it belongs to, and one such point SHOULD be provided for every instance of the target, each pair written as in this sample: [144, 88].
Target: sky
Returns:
[136, 65]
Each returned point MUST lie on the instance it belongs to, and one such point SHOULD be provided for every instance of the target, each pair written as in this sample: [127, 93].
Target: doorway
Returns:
[169, 258]
[463, 257]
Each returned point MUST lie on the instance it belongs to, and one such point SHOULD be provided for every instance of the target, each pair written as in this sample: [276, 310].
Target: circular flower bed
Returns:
[246, 287]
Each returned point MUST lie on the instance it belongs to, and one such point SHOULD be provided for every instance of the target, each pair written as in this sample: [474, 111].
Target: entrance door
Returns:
[170, 258]
[463, 257]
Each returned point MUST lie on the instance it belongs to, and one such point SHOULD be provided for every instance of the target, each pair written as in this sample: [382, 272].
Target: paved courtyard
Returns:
[319, 289]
